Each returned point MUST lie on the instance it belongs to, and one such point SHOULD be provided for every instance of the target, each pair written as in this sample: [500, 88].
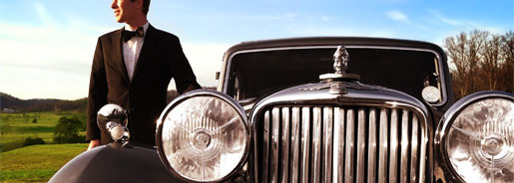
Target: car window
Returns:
[254, 74]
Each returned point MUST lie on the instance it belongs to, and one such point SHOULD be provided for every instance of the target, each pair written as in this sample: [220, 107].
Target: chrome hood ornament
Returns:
[341, 58]
[337, 79]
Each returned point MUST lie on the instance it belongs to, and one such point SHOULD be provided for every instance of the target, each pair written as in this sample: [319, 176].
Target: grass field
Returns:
[36, 163]
[16, 127]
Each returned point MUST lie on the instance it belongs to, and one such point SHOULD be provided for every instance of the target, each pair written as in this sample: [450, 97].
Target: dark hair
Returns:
[146, 6]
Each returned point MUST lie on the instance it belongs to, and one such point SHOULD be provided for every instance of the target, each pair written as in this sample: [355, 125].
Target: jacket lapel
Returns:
[146, 50]
[118, 54]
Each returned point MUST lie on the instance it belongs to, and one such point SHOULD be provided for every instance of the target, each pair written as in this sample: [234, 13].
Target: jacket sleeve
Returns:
[97, 93]
[183, 74]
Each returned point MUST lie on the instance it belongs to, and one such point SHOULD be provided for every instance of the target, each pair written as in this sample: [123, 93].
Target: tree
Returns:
[483, 61]
[33, 141]
[67, 131]
[507, 70]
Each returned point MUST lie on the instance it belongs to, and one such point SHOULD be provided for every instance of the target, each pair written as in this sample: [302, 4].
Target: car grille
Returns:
[340, 144]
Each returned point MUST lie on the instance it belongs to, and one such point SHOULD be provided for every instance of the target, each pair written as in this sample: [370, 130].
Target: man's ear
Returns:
[139, 3]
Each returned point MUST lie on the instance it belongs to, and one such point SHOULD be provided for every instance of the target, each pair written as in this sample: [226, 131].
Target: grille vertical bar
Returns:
[404, 169]
[361, 146]
[328, 117]
[349, 165]
[316, 145]
[265, 145]
[393, 149]
[285, 144]
[384, 145]
[275, 143]
[341, 144]
[414, 150]
[372, 150]
[305, 145]
[295, 143]
[339, 135]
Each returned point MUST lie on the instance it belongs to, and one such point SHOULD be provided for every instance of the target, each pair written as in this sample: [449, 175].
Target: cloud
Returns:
[397, 16]
[206, 60]
[46, 62]
[43, 14]
[440, 17]
[457, 26]
[326, 18]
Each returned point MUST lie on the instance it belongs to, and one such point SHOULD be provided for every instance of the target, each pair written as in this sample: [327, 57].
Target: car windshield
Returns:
[253, 74]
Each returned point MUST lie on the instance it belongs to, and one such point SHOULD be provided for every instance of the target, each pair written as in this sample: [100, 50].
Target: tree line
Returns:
[480, 60]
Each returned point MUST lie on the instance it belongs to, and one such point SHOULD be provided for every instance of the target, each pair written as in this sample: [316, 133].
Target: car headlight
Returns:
[477, 139]
[203, 136]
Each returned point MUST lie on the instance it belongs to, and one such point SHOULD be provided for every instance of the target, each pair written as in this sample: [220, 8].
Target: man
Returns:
[133, 69]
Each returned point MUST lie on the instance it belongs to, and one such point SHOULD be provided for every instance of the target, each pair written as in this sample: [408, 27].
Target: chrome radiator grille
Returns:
[340, 144]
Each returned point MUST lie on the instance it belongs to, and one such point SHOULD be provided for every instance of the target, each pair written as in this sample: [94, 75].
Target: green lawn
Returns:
[16, 127]
[36, 163]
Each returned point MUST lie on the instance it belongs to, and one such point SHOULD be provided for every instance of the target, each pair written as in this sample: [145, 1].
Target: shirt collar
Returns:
[145, 27]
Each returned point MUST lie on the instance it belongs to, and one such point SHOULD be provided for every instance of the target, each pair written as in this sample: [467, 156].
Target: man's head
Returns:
[130, 10]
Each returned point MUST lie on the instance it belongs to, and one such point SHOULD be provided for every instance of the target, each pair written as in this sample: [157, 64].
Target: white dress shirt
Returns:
[132, 49]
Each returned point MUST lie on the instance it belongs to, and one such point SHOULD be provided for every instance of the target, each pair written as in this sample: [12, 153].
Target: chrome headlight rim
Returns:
[202, 93]
[443, 129]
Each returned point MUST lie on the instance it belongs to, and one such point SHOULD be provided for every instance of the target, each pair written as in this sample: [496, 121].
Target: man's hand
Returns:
[93, 144]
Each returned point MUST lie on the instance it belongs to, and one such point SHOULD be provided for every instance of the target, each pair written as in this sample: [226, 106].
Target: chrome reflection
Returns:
[112, 119]
[203, 138]
[353, 139]
[480, 142]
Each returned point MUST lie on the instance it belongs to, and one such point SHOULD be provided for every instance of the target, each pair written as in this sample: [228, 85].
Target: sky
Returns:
[47, 46]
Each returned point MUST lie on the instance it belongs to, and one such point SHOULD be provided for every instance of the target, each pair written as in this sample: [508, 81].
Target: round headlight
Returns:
[203, 136]
[479, 143]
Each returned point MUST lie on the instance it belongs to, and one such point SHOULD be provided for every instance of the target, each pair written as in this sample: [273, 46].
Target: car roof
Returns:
[325, 41]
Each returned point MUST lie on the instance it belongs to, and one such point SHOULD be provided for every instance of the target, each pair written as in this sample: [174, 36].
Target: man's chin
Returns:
[119, 20]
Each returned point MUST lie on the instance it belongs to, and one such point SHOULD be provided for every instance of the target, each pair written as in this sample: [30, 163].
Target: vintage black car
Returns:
[326, 109]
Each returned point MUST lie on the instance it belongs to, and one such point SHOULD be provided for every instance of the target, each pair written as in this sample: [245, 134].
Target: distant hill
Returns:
[35, 105]
[12, 103]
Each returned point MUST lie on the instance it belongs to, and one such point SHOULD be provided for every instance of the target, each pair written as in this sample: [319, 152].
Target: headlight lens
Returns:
[480, 142]
[203, 138]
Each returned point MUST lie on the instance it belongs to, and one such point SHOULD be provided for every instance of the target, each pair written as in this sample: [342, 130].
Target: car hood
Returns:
[350, 93]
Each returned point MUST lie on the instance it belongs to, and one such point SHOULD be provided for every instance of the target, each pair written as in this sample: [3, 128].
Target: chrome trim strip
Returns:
[316, 144]
[372, 149]
[305, 145]
[439, 57]
[275, 138]
[361, 146]
[404, 158]
[350, 150]
[339, 137]
[414, 169]
[295, 153]
[383, 148]
[393, 150]
[266, 146]
[328, 124]
[285, 144]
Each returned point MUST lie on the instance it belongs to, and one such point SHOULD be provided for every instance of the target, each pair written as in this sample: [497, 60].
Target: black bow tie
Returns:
[127, 35]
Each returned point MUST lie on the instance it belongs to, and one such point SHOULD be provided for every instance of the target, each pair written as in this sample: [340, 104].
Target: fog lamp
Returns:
[480, 140]
[203, 136]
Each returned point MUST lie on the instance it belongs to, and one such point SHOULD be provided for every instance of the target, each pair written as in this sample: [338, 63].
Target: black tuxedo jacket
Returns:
[161, 59]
